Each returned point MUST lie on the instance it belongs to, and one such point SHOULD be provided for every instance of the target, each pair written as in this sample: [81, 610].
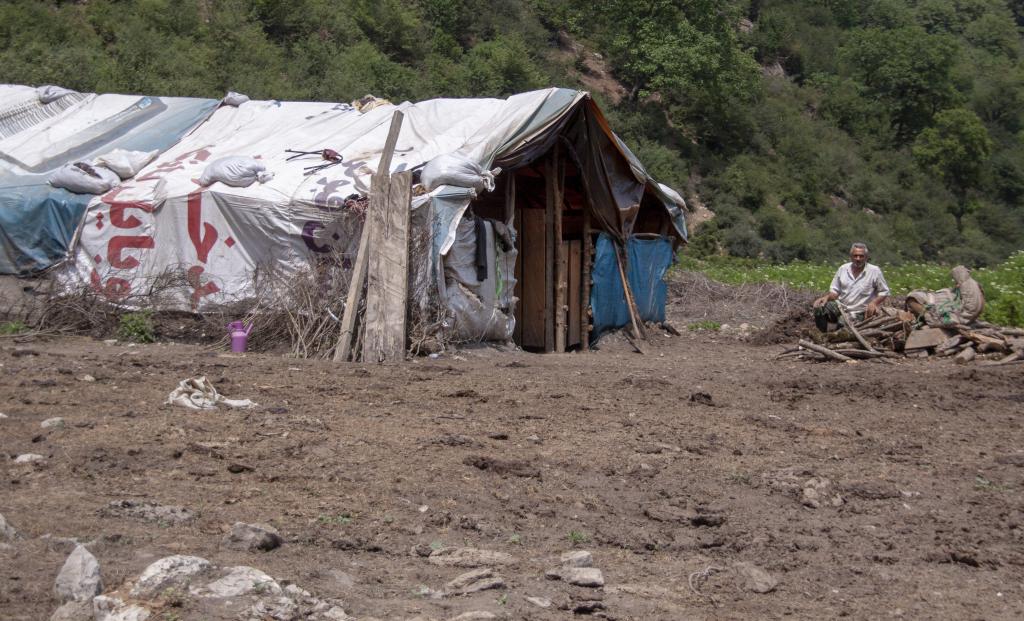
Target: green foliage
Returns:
[711, 326]
[815, 124]
[137, 327]
[577, 537]
[956, 151]
[9, 328]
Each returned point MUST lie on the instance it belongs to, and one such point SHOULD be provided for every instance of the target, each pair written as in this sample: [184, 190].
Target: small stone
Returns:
[468, 557]
[474, 615]
[52, 423]
[577, 558]
[7, 531]
[474, 581]
[579, 576]
[239, 581]
[533, 438]
[252, 537]
[541, 602]
[281, 609]
[3, 416]
[151, 512]
[171, 571]
[28, 458]
[114, 609]
[87, 378]
[336, 613]
[79, 579]
[754, 578]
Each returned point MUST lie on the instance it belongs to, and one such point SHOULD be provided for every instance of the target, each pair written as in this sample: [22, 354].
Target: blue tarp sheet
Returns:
[648, 260]
[38, 221]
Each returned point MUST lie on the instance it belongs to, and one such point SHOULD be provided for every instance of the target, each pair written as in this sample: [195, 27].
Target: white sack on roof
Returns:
[238, 171]
[234, 99]
[453, 169]
[126, 163]
[50, 93]
[82, 178]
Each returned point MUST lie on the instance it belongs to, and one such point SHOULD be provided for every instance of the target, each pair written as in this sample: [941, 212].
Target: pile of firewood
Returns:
[896, 334]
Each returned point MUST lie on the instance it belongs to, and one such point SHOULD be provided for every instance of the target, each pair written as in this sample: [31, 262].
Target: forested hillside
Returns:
[803, 124]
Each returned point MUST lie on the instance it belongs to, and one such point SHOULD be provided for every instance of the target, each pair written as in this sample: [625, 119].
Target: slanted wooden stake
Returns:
[852, 329]
[355, 288]
[634, 313]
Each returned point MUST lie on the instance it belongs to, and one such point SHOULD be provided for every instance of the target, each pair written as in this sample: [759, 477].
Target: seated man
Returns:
[858, 288]
[946, 307]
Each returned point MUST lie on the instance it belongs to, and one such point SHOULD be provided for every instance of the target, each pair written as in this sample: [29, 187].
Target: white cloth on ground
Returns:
[197, 393]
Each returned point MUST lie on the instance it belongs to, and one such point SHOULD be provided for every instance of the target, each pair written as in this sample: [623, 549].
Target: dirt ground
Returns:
[866, 490]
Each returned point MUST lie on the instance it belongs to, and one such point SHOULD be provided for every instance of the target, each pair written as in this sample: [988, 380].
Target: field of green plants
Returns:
[1003, 284]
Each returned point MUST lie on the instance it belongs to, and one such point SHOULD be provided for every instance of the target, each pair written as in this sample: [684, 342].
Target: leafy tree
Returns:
[956, 150]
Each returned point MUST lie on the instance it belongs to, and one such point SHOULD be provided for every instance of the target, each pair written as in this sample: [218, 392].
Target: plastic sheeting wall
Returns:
[649, 259]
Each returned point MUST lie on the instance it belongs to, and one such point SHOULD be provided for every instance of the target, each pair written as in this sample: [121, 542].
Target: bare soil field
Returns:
[860, 490]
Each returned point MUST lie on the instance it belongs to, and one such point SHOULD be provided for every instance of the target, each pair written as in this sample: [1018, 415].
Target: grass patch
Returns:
[713, 326]
[1003, 284]
[137, 327]
[578, 538]
[9, 328]
[342, 519]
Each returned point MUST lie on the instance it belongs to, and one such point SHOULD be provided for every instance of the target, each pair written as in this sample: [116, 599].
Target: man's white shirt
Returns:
[856, 292]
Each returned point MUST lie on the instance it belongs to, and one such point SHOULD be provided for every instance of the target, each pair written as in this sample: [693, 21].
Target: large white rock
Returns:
[106, 608]
[28, 458]
[577, 558]
[169, 572]
[241, 580]
[79, 579]
[73, 611]
[252, 537]
[580, 576]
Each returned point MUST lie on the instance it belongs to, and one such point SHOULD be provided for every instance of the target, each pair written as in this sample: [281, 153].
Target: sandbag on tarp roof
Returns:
[221, 237]
[37, 221]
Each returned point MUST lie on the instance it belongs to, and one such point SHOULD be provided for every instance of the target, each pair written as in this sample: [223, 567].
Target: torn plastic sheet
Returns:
[484, 310]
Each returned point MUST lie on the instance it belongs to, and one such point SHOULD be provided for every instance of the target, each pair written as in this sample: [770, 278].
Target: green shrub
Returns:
[137, 327]
[12, 327]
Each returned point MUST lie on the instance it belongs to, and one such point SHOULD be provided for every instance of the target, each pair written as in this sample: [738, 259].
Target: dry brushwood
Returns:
[882, 338]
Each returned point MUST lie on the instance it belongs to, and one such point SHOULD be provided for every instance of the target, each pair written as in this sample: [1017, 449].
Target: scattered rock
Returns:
[754, 578]
[474, 581]
[28, 458]
[73, 611]
[872, 490]
[79, 579]
[3, 416]
[1013, 459]
[171, 571]
[497, 435]
[87, 378]
[148, 511]
[541, 602]
[533, 438]
[473, 615]
[236, 468]
[252, 537]
[577, 558]
[238, 581]
[7, 531]
[579, 576]
[52, 423]
[282, 609]
[468, 557]
[701, 398]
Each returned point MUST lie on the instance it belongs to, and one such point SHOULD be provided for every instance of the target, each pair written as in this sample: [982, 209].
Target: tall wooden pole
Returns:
[380, 180]
[588, 252]
[561, 271]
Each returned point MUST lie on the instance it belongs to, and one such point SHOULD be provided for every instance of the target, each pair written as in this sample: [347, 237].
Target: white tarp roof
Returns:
[163, 219]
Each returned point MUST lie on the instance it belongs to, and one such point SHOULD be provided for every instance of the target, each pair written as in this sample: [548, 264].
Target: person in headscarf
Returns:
[947, 307]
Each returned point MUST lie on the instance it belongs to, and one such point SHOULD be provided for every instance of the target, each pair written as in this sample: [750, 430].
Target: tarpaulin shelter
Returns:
[44, 129]
[566, 177]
